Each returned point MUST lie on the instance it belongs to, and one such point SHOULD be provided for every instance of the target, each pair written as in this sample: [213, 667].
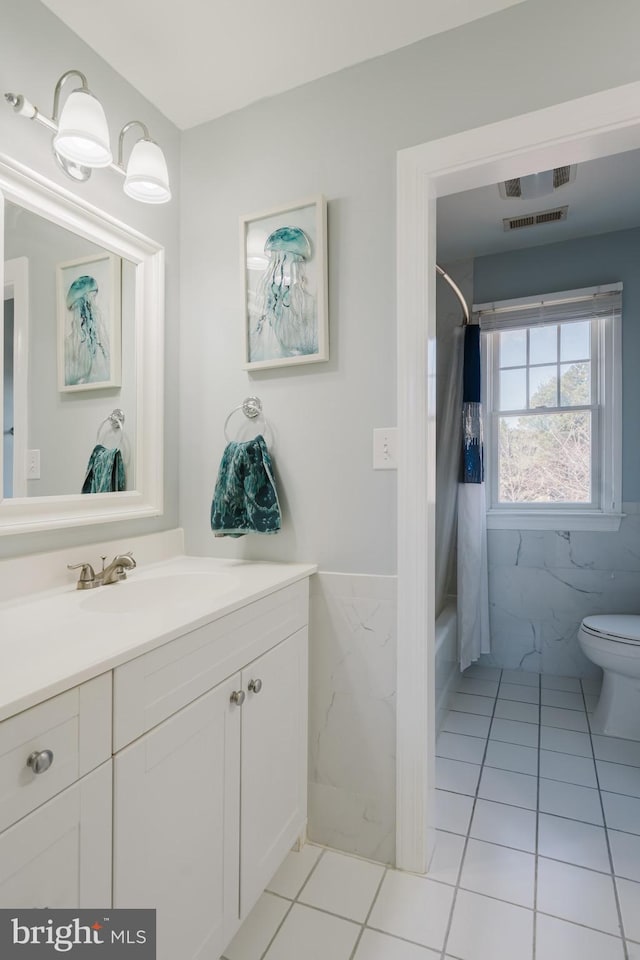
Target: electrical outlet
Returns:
[384, 448]
[33, 464]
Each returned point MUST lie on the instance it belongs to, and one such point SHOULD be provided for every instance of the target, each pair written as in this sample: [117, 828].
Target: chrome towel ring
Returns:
[251, 407]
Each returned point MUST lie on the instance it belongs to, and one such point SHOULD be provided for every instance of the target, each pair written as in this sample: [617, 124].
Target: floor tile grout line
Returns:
[396, 936]
[475, 798]
[363, 926]
[517, 806]
[292, 904]
[368, 926]
[544, 856]
[467, 837]
[310, 874]
[537, 837]
[617, 763]
[607, 841]
[277, 930]
[531, 723]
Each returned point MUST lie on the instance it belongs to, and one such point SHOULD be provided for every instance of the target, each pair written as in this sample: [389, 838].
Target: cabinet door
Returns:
[274, 763]
[60, 855]
[176, 803]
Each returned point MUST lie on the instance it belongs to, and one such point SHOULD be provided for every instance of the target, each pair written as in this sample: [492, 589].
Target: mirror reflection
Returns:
[68, 378]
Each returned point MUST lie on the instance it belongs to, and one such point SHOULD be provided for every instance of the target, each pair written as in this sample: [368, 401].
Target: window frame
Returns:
[604, 512]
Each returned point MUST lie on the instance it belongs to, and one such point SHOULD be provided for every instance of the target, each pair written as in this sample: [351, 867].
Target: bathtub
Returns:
[446, 659]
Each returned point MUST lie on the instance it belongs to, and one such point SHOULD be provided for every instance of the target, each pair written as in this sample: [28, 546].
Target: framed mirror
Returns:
[82, 361]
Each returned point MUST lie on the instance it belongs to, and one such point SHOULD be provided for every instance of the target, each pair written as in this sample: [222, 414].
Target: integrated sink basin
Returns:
[189, 590]
[58, 637]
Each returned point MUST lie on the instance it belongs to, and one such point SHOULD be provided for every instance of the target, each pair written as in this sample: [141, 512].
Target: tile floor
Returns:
[537, 856]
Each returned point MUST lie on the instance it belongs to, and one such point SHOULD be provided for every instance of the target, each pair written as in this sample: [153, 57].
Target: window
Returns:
[552, 400]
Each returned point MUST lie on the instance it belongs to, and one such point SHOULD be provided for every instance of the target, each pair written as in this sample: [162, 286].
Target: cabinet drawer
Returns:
[75, 726]
[156, 685]
[60, 855]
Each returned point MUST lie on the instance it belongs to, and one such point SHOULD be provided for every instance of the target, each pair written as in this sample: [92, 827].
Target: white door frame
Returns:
[16, 288]
[598, 125]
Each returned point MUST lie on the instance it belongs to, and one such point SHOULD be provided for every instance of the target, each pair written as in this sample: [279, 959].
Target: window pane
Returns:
[543, 391]
[575, 384]
[543, 344]
[545, 459]
[513, 348]
[575, 341]
[513, 389]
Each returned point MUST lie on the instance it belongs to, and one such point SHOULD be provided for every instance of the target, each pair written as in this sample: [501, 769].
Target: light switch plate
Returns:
[33, 464]
[385, 448]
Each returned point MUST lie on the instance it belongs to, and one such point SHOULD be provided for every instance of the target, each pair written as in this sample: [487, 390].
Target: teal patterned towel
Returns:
[245, 498]
[105, 471]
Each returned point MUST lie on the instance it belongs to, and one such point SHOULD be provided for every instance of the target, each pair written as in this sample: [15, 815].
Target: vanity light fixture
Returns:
[81, 142]
[147, 177]
[83, 134]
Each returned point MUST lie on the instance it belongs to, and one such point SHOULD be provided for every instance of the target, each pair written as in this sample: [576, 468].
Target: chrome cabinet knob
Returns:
[40, 760]
[238, 697]
[255, 686]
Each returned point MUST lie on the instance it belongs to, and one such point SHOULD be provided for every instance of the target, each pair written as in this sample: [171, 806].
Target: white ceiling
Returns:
[199, 59]
[604, 197]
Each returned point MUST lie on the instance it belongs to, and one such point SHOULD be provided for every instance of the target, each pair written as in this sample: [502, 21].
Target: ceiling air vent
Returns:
[562, 175]
[512, 187]
[537, 184]
[534, 219]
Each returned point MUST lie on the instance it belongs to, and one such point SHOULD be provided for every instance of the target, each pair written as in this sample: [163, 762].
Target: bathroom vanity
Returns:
[153, 744]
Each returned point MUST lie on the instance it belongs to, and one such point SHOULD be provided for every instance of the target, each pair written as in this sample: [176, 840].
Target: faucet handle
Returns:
[87, 574]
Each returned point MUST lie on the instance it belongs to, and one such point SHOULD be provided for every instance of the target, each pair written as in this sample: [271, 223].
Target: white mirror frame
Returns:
[28, 189]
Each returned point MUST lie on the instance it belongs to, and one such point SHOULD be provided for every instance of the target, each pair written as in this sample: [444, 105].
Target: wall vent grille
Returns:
[512, 189]
[561, 175]
[534, 219]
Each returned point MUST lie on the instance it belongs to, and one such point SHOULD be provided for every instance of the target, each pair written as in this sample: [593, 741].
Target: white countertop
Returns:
[54, 640]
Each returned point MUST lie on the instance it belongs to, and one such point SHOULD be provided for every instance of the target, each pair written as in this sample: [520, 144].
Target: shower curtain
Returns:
[448, 445]
[473, 587]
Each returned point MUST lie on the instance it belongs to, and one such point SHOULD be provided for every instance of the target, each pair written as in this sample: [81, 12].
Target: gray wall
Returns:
[543, 583]
[339, 136]
[35, 49]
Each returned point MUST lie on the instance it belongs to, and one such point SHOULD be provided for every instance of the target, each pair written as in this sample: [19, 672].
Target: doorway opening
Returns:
[569, 133]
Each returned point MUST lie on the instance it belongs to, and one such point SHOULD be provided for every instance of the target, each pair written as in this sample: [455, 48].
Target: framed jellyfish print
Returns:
[89, 335]
[284, 271]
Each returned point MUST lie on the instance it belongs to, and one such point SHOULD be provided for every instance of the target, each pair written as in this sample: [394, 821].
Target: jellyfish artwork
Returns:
[87, 341]
[285, 312]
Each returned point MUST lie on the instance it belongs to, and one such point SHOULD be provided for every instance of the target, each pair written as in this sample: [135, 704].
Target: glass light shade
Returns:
[147, 175]
[83, 134]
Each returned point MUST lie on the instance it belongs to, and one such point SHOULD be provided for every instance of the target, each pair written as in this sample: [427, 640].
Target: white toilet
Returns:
[612, 641]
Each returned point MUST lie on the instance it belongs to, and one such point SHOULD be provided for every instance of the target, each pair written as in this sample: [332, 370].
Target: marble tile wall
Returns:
[352, 714]
[543, 583]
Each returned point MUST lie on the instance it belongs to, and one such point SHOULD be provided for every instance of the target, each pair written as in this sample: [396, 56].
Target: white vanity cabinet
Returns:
[60, 855]
[55, 814]
[176, 825]
[273, 773]
[176, 779]
[209, 800]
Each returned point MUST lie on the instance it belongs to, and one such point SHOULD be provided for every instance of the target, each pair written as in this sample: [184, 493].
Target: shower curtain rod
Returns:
[456, 289]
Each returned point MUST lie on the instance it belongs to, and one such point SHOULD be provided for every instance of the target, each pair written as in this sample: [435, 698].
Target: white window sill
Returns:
[553, 520]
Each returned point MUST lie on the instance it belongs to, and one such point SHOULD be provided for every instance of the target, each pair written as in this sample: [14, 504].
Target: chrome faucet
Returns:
[116, 570]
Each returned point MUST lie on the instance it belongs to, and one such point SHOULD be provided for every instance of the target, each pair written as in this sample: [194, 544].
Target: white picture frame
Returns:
[89, 323]
[285, 288]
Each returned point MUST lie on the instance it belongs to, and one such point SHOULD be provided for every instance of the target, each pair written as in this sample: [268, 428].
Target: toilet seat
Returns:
[618, 628]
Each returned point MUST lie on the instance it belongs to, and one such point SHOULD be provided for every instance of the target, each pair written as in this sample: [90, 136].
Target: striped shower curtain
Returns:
[473, 587]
